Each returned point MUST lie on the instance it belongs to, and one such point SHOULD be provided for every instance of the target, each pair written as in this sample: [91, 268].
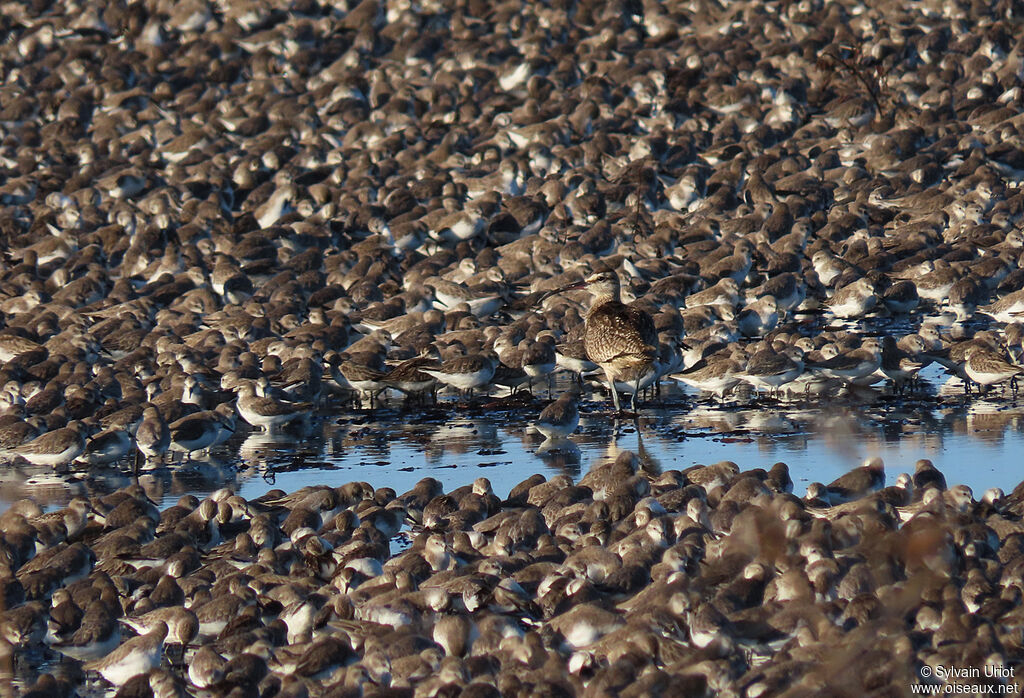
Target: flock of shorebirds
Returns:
[215, 211]
[181, 252]
[709, 581]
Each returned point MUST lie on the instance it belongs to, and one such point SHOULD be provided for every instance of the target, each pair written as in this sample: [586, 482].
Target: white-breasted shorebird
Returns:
[136, 656]
[560, 418]
[55, 448]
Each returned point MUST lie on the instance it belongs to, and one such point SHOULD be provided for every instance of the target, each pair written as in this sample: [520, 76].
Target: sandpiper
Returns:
[560, 418]
[96, 635]
[74, 518]
[987, 368]
[539, 358]
[717, 375]
[898, 365]
[153, 437]
[1009, 308]
[106, 447]
[206, 668]
[55, 448]
[182, 625]
[465, 373]
[199, 431]
[853, 365]
[773, 367]
[858, 482]
[724, 293]
[409, 378]
[12, 345]
[449, 294]
[357, 376]
[853, 301]
[758, 317]
[136, 656]
[266, 412]
[571, 355]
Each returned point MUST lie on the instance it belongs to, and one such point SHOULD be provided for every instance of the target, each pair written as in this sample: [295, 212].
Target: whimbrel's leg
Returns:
[615, 393]
[615, 398]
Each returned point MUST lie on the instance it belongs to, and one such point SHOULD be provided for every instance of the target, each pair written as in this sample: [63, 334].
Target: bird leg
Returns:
[611, 386]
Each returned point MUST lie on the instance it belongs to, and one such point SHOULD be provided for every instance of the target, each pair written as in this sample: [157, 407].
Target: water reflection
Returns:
[973, 439]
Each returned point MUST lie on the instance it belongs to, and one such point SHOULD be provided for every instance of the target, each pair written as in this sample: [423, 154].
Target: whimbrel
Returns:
[620, 339]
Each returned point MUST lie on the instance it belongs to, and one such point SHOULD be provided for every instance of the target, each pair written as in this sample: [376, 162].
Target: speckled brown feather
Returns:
[620, 334]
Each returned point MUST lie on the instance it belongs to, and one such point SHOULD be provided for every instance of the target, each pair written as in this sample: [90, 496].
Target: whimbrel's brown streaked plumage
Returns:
[621, 339]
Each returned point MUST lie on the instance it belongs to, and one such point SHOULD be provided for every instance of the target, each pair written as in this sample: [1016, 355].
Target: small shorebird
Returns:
[716, 375]
[1006, 309]
[202, 430]
[620, 339]
[853, 365]
[136, 656]
[560, 418]
[12, 345]
[539, 359]
[152, 438]
[206, 667]
[360, 378]
[571, 355]
[97, 634]
[854, 301]
[857, 483]
[106, 447]
[987, 368]
[409, 379]
[465, 372]
[772, 367]
[74, 518]
[266, 412]
[899, 366]
[54, 448]
[759, 317]
[182, 625]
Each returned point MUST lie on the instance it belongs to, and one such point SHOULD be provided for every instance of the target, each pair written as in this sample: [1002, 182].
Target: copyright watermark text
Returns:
[952, 680]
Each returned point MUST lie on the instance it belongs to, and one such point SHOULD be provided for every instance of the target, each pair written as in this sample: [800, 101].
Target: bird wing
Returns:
[620, 331]
[189, 429]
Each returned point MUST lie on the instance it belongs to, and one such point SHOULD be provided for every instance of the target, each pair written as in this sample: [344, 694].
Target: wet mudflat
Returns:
[974, 439]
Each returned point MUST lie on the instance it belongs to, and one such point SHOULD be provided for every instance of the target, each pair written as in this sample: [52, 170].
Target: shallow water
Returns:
[973, 440]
